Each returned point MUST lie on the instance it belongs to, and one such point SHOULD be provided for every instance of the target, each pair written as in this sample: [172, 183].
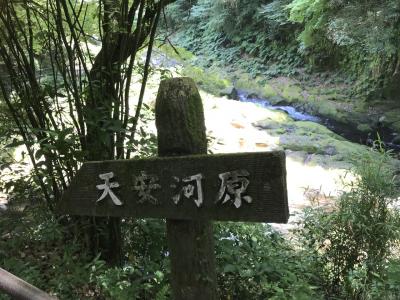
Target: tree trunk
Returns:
[119, 44]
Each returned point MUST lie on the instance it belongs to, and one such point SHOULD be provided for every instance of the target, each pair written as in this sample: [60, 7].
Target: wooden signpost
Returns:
[187, 187]
[230, 187]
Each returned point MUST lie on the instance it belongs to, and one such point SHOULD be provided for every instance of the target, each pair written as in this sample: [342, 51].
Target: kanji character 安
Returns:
[144, 184]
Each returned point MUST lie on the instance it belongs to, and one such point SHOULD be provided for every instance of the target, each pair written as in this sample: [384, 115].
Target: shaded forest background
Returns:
[358, 39]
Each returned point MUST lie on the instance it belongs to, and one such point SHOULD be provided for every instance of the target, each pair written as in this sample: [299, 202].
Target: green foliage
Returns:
[310, 12]
[145, 274]
[247, 34]
[132, 281]
[32, 247]
[359, 37]
[69, 67]
[387, 285]
[67, 97]
[255, 262]
[353, 243]
[350, 252]
[145, 142]
[272, 38]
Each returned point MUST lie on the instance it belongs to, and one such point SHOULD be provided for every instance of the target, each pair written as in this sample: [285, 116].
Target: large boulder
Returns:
[230, 93]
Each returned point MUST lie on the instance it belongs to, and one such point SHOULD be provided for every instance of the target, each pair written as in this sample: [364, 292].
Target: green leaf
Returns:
[229, 268]
[15, 143]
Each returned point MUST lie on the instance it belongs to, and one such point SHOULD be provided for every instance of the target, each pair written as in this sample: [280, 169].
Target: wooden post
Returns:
[189, 189]
[181, 131]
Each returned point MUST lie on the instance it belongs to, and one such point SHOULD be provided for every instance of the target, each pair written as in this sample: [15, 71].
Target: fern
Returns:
[360, 37]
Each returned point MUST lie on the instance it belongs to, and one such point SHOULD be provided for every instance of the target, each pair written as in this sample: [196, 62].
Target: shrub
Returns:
[351, 245]
[256, 262]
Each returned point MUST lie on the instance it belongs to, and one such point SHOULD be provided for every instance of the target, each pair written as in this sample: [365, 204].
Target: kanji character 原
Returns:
[233, 185]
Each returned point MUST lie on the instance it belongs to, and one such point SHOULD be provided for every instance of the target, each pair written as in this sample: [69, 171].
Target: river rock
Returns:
[366, 128]
[252, 96]
[330, 150]
[278, 100]
[230, 93]
[267, 124]
[396, 140]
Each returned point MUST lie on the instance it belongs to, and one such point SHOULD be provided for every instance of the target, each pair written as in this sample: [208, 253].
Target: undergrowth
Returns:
[355, 244]
[349, 251]
[253, 261]
[287, 37]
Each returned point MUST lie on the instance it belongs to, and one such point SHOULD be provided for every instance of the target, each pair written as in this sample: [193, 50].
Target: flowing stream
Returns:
[290, 110]
[348, 131]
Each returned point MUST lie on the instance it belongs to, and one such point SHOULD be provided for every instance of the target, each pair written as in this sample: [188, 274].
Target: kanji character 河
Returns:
[190, 188]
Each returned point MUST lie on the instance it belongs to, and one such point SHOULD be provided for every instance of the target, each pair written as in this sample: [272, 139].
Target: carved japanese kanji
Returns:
[189, 191]
[107, 187]
[145, 184]
[236, 187]
[233, 185]
[190, 188]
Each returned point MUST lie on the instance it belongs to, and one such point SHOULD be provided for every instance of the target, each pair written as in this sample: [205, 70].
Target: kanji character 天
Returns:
[107, 186]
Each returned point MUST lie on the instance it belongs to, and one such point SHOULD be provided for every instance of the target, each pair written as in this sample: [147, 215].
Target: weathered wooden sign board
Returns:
[189, 191]
[234, 187]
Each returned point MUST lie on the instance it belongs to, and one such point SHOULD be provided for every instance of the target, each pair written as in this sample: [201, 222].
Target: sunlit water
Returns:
[346, 130]
[290, 110]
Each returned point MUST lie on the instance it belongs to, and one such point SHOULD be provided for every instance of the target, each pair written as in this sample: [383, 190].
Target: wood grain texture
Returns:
[180, 118]
[181, 131]
[267, 188]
